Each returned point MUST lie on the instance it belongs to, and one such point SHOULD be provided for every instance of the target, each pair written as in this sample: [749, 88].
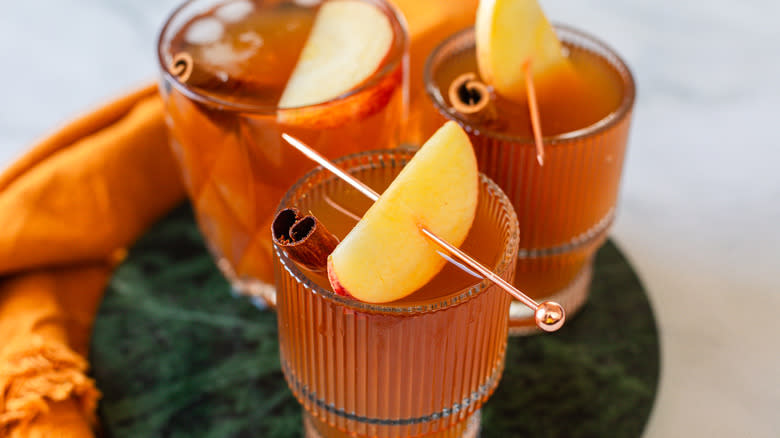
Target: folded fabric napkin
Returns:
[68, 209]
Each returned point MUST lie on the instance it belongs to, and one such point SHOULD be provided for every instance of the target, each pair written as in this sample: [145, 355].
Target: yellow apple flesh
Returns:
[386, 257]
[348, 42]
[511, 33]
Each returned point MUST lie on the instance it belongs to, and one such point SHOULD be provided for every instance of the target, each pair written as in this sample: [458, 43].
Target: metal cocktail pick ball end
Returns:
[549, 315]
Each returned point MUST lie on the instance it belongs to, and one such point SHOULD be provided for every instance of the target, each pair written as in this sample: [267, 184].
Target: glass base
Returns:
[314, 428]
[262, 294]
[572, 297]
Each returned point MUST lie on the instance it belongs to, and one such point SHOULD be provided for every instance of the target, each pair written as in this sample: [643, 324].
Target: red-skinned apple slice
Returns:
[386, 257]
[347, 44]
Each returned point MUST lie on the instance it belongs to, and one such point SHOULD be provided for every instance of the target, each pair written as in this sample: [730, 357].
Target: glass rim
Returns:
[565, 33]
[393, 60]
[455, 298]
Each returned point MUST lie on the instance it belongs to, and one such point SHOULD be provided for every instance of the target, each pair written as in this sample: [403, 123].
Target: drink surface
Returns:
[564, 106]
[225, 127]
[245, 51]
[340, 211]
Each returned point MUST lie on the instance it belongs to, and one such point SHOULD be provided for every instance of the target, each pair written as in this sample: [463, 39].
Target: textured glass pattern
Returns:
[393, 370]
[565, 207]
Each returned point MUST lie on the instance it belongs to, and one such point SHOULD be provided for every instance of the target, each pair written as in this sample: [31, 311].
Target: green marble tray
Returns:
[176, 356]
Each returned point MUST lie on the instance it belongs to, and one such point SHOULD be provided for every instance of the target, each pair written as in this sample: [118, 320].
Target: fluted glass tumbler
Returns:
[565, 207]
[224, 66]
[419, 366]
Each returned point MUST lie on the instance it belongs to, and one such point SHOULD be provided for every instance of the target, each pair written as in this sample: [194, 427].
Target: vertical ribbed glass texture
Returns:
[419, 367]
[564, 208]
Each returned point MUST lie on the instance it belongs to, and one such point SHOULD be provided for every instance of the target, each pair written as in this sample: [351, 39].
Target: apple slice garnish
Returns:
[386, 257]
[510, 34]
[347, 44]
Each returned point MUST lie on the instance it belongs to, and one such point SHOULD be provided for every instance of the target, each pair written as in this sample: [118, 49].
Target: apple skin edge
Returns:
[338, 288]
[350, 109]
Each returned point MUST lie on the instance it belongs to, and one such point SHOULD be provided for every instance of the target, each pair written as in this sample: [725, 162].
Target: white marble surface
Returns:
[700, 205]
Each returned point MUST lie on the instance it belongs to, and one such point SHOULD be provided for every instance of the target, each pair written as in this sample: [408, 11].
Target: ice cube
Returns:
[234, 12]
[308, 3]
[252, 39]
[219, 55]
[205, 31]
[225, 55]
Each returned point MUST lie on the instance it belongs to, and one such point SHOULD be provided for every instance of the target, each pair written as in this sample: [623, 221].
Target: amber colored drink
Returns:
[428, 22]
[420, 366]
[225, 127]
[566, 206]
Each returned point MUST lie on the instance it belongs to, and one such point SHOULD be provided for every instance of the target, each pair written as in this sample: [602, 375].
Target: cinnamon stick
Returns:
[181, 66]
[305, 239]
[213, 79]
[472, 98]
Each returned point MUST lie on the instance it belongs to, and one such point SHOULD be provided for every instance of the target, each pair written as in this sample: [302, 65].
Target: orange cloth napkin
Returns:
[68, 209]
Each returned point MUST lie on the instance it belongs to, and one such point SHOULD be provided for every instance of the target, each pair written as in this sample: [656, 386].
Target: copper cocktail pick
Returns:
[533, 108]
[549, 315]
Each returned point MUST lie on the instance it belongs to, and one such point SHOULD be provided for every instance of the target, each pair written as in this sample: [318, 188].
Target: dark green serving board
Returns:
[176, 355]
